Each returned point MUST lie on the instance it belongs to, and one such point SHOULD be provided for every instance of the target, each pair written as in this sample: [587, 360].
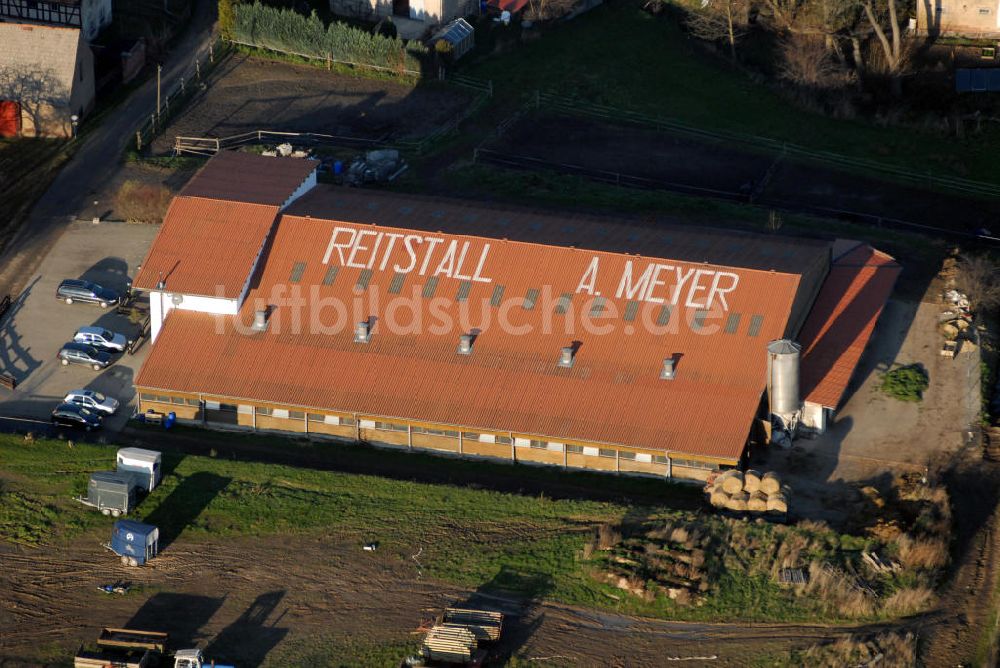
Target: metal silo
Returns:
[783, 376]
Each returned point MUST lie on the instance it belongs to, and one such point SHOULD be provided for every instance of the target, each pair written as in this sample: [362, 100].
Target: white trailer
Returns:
[146, 463]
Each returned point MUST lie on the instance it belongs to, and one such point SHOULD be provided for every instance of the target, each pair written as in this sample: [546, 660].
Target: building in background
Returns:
[89, 16]
[971, 18]
[46, 79]
[462, 328]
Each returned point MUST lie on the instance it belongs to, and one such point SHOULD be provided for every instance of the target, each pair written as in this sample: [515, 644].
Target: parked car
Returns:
[75, 290]
[81, 353]
[71, 415]
[91, 400]
[101, 338]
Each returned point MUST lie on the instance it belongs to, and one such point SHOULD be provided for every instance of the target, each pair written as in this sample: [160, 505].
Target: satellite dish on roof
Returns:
[177, 299]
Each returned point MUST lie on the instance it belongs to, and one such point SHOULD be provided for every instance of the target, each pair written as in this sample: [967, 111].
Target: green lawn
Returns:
[620, 56]
[530, 545]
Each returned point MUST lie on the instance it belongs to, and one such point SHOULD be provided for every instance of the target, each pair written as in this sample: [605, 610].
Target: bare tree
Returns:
[806, 61]
[979, 278]
[542, 10]
[720, 20]
[37, 92]
[894, 52]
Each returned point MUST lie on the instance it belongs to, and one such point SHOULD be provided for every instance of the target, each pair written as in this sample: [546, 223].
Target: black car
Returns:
[81, 353]
[74, 290]
[71, 415]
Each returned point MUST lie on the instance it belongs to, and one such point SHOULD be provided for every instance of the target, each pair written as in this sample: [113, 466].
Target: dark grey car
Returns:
[81, 353]
[75, 290]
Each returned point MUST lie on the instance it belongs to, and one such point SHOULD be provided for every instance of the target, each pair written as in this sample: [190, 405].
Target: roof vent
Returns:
[259, 321]
[465, 344]
[362, 332]
[668, 369]
[566, 356]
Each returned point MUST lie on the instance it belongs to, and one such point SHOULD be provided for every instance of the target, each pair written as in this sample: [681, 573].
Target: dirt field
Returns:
[321, 602]
[251, 94]
[689, 165]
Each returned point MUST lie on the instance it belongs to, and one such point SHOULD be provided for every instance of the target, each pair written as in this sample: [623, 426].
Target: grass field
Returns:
[529, 545]
[620, 56]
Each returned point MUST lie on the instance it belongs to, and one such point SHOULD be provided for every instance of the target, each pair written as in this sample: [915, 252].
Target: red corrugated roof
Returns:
[511, 382]
[206, 247]
[842, 321]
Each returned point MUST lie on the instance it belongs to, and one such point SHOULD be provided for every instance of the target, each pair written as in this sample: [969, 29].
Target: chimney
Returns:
[668, 369]
[566, 357]
[465, 344]
[362, 332]
[260, 321]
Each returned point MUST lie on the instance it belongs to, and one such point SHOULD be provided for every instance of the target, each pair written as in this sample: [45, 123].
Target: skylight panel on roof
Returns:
[564, 302]
[364, 278]
[755, 324]
[530, 298]
[331, 275]
[463, 291]
[732, 323]
[396, 286]
[297, 270]
[699, 319]
[597, 307]
[497, 295]
[664, 317]
[430, 287]
[631, 309]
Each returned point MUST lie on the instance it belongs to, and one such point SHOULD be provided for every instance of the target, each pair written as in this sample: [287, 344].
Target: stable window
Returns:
[574, 449]
[390, 426]
[162, 399]
[348, 421]
[228, 408]
[661, 459]
[316, 417]
[624, 454]
[177, 400]
[264, 412]
[695, 464]
[538, 445]
[504, 439]
[296, 415]
[192, 402]
[470, 435]
[605, 452]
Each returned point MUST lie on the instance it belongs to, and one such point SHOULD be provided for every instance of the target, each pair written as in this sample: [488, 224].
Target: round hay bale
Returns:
[777, 503]
[718, 498]
[733, 483]
[757, 502]
[770, 483]
[738, 501]
[751, 481]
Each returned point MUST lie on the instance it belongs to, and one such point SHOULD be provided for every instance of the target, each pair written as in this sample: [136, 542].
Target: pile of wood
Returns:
[751, 492]
[457, 637]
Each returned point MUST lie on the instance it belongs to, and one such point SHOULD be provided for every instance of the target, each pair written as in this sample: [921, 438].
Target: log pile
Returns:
[458, 635]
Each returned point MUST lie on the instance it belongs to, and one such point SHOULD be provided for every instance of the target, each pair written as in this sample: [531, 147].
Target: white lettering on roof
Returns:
[586, 283]
[366, 249]
[644, 287]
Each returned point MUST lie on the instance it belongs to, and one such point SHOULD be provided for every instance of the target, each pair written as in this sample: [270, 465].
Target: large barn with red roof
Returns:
[464, 328]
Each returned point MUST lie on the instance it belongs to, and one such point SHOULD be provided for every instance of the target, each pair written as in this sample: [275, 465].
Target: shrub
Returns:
[906, 383]
[922, 553]
[138, 202]
[908, 601]
[837, 592]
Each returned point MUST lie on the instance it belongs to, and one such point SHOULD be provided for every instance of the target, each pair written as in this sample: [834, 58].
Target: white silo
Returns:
[783, 378]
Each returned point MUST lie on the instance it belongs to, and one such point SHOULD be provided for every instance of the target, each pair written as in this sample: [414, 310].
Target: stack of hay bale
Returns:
[749, 492]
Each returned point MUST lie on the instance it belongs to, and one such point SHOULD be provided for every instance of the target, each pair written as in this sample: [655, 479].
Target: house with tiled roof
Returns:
[480, 330]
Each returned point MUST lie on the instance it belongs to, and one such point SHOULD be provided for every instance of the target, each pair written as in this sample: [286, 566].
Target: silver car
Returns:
[95, 401]
[100, 338]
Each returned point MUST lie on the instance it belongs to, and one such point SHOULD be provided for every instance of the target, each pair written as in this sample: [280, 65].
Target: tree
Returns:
[227, 17]
[720, 20]
[893, 49]
[979, 278]
[806, 61]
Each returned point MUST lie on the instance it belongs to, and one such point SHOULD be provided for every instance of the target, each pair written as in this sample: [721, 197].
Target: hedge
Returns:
[288, 31]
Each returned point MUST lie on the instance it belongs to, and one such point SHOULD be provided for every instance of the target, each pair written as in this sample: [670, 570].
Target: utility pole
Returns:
[159, 68]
